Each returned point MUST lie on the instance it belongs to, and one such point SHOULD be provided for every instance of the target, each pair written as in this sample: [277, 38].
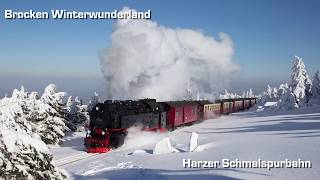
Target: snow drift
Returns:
[164, 146]
[144, 57]
[193, 141]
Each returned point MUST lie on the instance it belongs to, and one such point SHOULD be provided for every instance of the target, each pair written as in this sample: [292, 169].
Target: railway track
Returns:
[73, 159]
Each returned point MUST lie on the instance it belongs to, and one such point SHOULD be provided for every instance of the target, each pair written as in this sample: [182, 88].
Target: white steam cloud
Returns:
[135, 134]
[147, 60]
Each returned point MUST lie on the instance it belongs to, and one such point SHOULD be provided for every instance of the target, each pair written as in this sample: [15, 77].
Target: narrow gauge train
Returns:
[110, 120]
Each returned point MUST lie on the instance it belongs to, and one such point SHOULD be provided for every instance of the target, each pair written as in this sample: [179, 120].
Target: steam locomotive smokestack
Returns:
[149, 60]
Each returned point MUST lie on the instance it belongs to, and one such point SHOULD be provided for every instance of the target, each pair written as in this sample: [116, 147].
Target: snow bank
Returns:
[139, 152]
[268, 104]
[164, 146]
[193, 141]
[119, 166]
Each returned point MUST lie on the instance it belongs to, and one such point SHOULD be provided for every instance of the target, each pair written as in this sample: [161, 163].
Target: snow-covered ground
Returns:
[246, 136]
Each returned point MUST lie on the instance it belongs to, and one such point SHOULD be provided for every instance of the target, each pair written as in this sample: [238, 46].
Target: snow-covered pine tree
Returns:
[266, 95]
[268, 92]
[247, 94]
[20, 94]
[251, 94]
[308, 90]
[287, 101]
[275, 94]
[22, 153]
[283, 88]
[198, 98]
[52, 127]
[316, 85]
[225, 95]
[39, 114]
[82, 115]
[94, 101]
[54, 99]
[71, 106]
[189, 94]
[71, 110]
[300, 82]
[33, 111]
[26, 158]
[243, 94]
[78, 114]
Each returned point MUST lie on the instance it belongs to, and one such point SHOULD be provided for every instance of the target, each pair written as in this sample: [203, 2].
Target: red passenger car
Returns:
[212, 110]
[181, 112]
[238, 105]
[202, 109]
[247, 103]
[226, 106]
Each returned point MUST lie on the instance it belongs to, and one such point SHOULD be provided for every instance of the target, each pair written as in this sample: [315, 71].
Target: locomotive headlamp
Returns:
[88, 131]
[103, 133]
[97, 108]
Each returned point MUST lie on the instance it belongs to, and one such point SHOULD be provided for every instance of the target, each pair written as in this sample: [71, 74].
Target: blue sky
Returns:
[266, 36]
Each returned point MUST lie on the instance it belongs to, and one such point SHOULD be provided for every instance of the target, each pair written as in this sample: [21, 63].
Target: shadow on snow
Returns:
[73, 141]
[154, 174]
[283, 125]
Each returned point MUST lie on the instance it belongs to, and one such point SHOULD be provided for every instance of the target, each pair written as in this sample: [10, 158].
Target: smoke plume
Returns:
[135, 134]
[148, 60]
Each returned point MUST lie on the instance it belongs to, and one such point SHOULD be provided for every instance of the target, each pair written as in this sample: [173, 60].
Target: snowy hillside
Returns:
[245, 136]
